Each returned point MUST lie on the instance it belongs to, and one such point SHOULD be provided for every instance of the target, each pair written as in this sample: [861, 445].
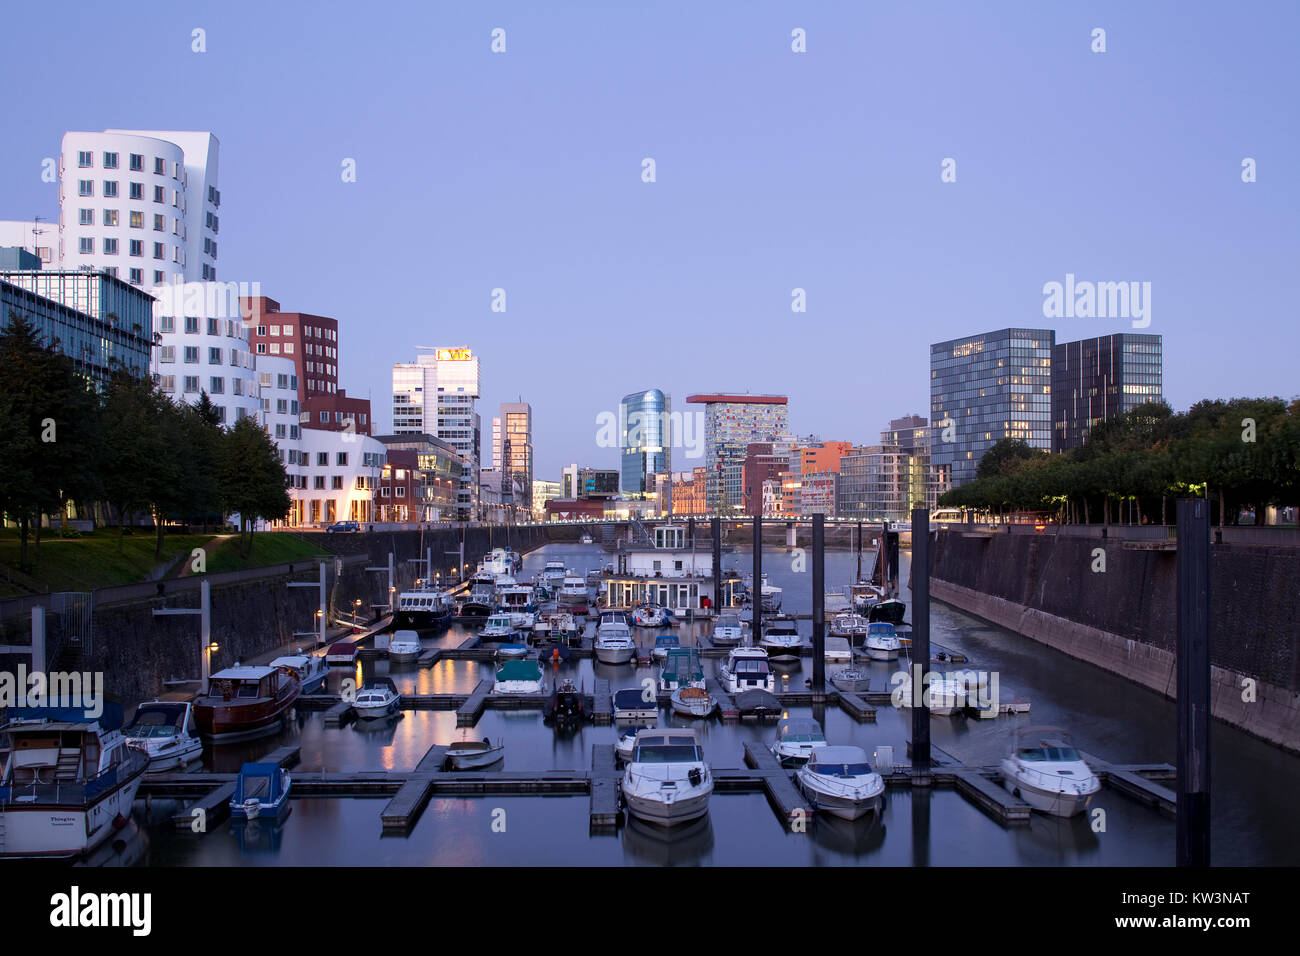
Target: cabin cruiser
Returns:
[890, 610]
[1048, 773]
[165, 730]
[517, 601]
[852, 626]
[651, 615]
[852, 680]
[945, 696]
[626, 745]
[574, 596]
[244, 702]
[567, 707]
[310, 669]
[497, 563]
[518, 677]
[692, 701]
[614, 639]
[681, 669]
[558, 627]
[262, 790]
[837, 649]
[404, 646]
[796, 739]
[667, 780]
[482, 598]
[553, 574]
[881, 642]
[746, 668]
[727, 631]
[663, 644]
[781, 636]
[378, 697]
[423, 609]
[472, 754]
[496, 627]
[839, 780]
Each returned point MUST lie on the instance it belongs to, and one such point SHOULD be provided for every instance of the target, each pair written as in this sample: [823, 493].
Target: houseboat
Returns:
[424, 609]
[243, 702]
[574, 598]
[670, 572]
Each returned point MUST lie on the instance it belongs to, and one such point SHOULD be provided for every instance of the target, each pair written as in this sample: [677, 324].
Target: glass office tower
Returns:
[1097, 379]
[645, 435]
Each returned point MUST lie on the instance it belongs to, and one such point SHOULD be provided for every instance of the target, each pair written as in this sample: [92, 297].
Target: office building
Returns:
[733, 422]
[311, 341]
[512, 454]
[1097, 379]
[437, 395]
[645, 437]
[439, 475]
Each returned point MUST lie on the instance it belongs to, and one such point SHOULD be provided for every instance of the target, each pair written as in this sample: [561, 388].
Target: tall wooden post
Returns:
[1193, 595]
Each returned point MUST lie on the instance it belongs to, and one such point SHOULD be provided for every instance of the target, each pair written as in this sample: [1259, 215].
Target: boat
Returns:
[651, 615]
[890, 610]
[310, 669]
[758, 703]
[746, 668]
[166, 731]
[667, 781]
[423, 609]
[781, 636]
[574, 596]
[405, 646]
[559, 627]
[341, 652]
[567, 707]
[514, 558]
[1048, 773]
[837, 649]
[68, 782]
[518, 677]
[796, 739]
[262, 790]
[631, 704]
[626, 745]
[614, 639]
[517, 600]
[511, 652]
[243, 702]
[693, 701]
[378, 697]
[881, 642]
[473, 754]
[945, 696]
[498, 563]
[863, 594]
[585, 539]
[482, 598]
[497, 627]
[770, 594]
[593, 576]
[852, 680]
[553, 574]
[839, 781]
[852, 626]
[728, 631]
[682, 668]
[663, 644]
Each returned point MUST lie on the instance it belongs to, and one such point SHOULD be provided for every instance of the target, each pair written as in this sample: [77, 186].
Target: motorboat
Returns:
[262, 790]
[378, 697]
[663, 644]
[243, 702]
[727, 631]
[482, 598]
[310, 669]
[585, 539]
[852, 680]
[497, 627]
[166, 731]
[68, 782]
[667, 780]
[473, 754]
[881, 642]
[852, 626]
[593, 576]
[651, 615]
[837, 649]
[1048, 773]
[770, 594]
[405, 646]
[497, 563]
[944, 696]
[757, 703]
[560, 628]
[781, 636]
[631, 704]
[626, 745]
[553, 652]
[511, 652]
[343, 653]
[574, 596]
[553, 575]
[423, 609]
[518, 677]
[519, 602]
[890, 610]
[746, 668]
[839, 781]
[796, 739]
[614, 643]
[567, 707]
[693, 701]
[514, 558]
[682, 668]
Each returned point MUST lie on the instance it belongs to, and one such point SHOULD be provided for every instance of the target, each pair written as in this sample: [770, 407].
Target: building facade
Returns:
[437, 395]
[989, 387]
[439, 475]
[311, 341]
[512, 454]
[1097, 379]
[733, 422]
[645, 437]
[543, 491]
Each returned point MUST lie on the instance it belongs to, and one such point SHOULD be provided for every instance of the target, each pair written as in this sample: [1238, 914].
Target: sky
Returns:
[774, 170]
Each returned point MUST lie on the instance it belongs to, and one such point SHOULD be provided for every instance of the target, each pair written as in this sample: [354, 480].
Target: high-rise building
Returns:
[437, 395]
[512, 454]
[988, 387]
[544, 491]
[645, 436]
[731, 424]
[311, 341]
[1097, 379]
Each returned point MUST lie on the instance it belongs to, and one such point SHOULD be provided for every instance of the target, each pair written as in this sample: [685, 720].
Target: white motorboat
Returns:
[839, 780]
[667, 780]
[1048, 773]
[310, 669]
[585, 539]
[405, 646]
[497, 627]
[517, 600]
[849, 625]
[663, 644]
[626, 744]
[553, 575]
[497, 563]
[796, 739]
[640, 704]
[781, 637]
[518, 677]
[165, 730]
[651, 615]
[471, 754]
[692, 701]
[68, 782]
[852, 680]
[614, 643]
[378, 697]
[882, 642]
[728, 631]
[511, 652]
[837, 649]
[746, 668]
[574, 596]
[945, 696]
[682, 668]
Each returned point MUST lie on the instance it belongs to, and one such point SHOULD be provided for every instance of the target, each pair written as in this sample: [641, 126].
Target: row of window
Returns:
[190, 353]
[86, 217]
[274, 348]
[86, 160]
[135, 247]
[86, 187]
[233, 328]
[308, 331]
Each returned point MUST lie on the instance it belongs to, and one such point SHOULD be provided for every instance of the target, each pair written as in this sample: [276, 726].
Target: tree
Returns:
[253, 479]
[1005, 457]
[135, 451]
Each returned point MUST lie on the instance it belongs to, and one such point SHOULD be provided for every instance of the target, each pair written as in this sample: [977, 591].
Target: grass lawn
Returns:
[94, 561]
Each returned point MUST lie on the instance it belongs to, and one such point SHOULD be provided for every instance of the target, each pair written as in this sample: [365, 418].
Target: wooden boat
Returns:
[693, 702]
[471, 754]
[244, 702]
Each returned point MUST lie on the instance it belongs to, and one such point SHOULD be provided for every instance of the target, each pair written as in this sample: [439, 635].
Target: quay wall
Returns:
[1123, 619]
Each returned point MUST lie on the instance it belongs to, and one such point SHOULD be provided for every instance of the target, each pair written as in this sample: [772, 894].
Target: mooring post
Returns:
[717, 564]
[1193, 592]
[321, 636]
[858, 579]
[756, 592]
[38, 638]
[819, 604]
[205, 632]
[920, 636]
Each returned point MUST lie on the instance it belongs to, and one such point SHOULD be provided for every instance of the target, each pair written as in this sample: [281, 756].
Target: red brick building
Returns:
[312, 341]
[561, 509]
[397, 497]
[760, 465]
[332, 412]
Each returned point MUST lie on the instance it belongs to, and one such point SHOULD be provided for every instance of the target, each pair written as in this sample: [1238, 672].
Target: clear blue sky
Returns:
[775, 170]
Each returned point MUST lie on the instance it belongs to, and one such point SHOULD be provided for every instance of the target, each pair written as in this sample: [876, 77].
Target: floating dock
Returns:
[777, 784]
[468, 713]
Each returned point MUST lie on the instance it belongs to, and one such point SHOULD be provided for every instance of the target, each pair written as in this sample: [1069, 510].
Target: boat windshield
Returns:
[668, 753]
[728, 620]
[842, 769]
[1050, 753]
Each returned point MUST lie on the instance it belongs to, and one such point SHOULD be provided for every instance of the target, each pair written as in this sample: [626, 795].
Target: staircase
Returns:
[68, 766]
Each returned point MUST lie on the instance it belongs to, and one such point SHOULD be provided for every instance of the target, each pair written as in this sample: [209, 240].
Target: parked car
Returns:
[343, 526]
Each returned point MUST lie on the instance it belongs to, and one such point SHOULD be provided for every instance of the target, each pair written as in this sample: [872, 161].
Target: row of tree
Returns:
[126, 451]
[1243, 454]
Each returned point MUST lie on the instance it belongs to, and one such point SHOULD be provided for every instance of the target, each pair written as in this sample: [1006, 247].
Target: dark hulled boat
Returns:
[245, 702]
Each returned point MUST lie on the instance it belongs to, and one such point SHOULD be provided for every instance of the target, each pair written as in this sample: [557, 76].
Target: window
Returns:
[167, 383]
[237, 386]
[111, 270]
[137, 247]
[288, 348]
[288, 330]
[159, 194]
[191, 383]
[85, 187]
[275, 329]
[166, 323]
[221, 413]
[137, 191]
[159, 167]
[281, 381]
[86, 245]
[319, 483]
[279, 431]
[85, 159]
[400, 491]
[383, 491]
[217, 385]
[110, 217]
[110, 188]
[191, 355]
[110, 247]
[137, 219]
[86, 217]
[212, 327]
[159, 223]
[261, 348]
[157, 277]
[137, 163]
[137, 276]
[110, 160]
[158, 250]
[337, 483]
[324, 417]
[323, 459]
[275, 348]
[293, 432]
[191, 325]
[214, 356]
[342, 459]
[261, 330]
[281, 406]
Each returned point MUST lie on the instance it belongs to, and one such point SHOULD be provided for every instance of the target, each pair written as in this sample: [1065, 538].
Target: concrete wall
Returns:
[1123, 618]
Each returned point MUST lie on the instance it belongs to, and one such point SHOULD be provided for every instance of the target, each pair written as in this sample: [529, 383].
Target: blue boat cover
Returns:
[109, 719]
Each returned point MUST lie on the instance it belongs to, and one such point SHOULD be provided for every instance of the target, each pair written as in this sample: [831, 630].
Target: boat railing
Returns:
[1055, 779]
[74, 793]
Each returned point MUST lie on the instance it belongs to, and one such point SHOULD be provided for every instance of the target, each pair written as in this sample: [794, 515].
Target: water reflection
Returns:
[683, 845]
